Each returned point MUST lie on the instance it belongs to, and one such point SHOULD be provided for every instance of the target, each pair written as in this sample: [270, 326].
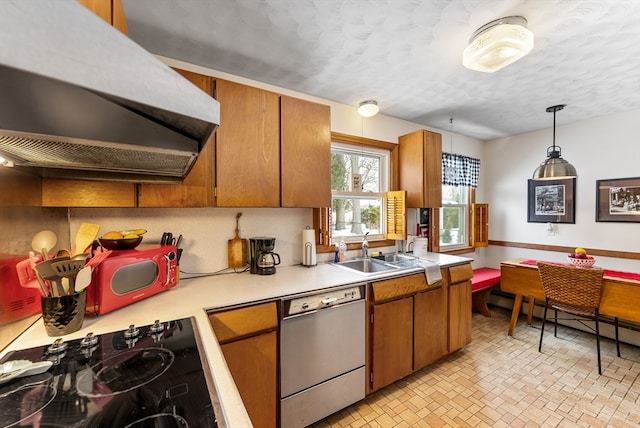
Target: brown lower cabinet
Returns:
[459, 286]
[391, 355]
[407, 327]
[412, 325]
[248, 338]
[429, 326]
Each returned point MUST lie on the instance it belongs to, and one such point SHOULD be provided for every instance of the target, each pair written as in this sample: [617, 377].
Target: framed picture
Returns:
[552, 201]
[618, 199]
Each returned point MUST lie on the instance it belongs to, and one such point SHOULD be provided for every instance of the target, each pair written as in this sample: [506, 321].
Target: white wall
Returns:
[600, 148]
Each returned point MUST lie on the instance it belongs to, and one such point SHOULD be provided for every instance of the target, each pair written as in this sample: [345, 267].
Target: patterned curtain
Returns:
[458, 170]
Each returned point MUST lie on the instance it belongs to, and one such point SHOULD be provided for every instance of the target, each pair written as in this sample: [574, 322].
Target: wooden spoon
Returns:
[87, 233]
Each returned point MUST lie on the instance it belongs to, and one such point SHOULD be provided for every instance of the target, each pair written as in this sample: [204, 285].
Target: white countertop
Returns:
[193, 297]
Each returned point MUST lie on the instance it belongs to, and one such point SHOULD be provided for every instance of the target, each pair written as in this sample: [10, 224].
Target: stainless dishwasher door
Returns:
[322, 358]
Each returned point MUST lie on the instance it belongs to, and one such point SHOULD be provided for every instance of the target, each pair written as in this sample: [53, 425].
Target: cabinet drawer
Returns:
[391, 289]
[234, 324]
[460, 273]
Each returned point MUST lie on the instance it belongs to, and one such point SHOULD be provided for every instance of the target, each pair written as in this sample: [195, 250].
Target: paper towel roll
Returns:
[309, 247]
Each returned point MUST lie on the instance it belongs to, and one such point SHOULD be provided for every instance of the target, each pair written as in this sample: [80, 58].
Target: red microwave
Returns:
[128, 276]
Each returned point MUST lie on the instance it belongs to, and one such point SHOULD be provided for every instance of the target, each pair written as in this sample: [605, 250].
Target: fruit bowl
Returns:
[120, 244]
[581, 262]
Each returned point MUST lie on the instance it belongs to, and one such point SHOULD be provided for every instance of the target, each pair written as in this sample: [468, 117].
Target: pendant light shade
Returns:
[498, 44]
[554, 167]
[368, 108]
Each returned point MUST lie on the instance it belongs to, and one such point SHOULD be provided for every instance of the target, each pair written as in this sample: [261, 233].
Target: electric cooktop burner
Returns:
[149, 376]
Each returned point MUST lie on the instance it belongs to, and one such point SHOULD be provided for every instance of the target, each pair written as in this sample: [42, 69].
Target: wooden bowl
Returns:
[120, 244]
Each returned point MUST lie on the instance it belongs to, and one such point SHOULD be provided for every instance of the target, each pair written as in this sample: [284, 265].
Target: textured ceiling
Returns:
[407, 55]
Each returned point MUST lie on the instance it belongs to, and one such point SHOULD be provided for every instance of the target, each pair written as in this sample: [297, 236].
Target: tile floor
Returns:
[501, 381]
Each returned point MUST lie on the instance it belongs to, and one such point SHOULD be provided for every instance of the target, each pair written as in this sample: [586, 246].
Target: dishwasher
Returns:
[322, 354]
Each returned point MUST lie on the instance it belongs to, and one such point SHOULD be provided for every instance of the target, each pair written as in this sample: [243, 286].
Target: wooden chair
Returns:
[574, 291]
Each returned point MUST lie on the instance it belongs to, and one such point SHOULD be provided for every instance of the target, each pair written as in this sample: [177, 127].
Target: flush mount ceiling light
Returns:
[368, 108]
[554, 167]
[497, 44]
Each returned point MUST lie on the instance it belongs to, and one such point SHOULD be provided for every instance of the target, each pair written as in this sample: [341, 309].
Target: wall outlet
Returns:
[550, 230]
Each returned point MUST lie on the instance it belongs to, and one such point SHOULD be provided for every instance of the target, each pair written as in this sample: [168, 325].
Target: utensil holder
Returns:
[63, 315]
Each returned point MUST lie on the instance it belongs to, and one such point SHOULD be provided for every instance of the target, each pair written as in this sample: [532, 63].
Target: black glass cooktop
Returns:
[149, 376]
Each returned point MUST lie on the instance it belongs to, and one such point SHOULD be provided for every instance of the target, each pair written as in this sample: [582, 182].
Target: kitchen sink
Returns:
[392, 262]
[367, 265]
[400, 260]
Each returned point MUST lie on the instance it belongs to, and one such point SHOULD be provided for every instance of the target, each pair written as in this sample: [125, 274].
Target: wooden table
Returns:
[620, 297]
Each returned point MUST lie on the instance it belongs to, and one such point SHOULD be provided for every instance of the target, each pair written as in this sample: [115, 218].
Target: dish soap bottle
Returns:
[342, 253]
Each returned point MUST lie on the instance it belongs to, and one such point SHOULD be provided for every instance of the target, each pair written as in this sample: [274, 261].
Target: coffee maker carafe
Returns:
[263, 259]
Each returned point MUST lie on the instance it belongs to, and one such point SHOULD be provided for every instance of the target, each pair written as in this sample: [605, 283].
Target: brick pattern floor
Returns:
[501, 381]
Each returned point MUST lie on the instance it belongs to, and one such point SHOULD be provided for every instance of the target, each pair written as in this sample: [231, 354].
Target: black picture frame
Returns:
[618, 200]
[551, 201]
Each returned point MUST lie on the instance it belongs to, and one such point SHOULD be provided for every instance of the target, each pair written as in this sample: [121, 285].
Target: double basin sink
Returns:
[391, 262]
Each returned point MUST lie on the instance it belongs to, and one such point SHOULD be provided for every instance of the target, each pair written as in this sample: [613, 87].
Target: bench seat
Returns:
[483, 280]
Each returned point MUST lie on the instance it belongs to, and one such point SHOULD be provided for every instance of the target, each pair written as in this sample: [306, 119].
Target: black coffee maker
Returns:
[263, 259]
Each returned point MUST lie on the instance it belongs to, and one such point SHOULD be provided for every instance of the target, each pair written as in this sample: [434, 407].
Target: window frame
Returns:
[468, 245]
[383, 157]
[321, 219]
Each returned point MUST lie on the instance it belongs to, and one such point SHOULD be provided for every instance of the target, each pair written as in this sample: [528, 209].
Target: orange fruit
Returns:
[112, 235]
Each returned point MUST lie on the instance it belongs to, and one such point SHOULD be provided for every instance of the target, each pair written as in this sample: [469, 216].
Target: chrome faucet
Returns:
[365, 246]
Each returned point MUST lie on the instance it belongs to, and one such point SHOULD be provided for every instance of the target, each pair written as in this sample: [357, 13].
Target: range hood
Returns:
[81, 100]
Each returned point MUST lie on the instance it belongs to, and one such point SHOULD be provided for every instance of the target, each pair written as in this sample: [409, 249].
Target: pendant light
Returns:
[554, 167]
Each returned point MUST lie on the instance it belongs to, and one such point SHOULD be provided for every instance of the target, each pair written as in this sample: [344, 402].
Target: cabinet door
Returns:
[459, 315]
[429, 327]
[197, 188]
[391, 342]
[420, 168]
[305, 152]
[247, 147]
[252, 363]
[249, 341]
[78, 193]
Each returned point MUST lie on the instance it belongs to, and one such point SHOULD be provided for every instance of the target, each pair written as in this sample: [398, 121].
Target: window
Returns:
[454, 217]
[459, 177]
[359, 178]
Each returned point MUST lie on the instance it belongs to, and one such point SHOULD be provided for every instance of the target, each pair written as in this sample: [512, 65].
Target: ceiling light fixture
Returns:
[554, 167]
[497, 44]
[368, 108]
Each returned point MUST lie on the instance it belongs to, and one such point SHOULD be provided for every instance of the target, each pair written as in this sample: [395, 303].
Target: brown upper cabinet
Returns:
[420, 168]
[247, 146]
[271, 150]
[197, 188]
[305, 153]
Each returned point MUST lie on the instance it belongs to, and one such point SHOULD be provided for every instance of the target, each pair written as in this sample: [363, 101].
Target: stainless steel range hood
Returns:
[78, 99]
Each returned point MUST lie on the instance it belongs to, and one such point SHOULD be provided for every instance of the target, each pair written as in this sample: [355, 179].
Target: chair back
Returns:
[571, 286]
